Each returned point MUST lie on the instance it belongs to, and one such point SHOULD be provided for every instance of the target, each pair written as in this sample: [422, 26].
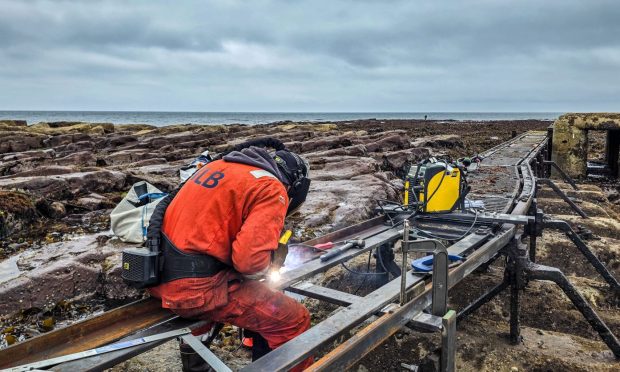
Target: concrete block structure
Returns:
[570, 141]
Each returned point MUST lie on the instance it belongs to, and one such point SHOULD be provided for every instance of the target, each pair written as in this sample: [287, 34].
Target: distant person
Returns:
[425, 116]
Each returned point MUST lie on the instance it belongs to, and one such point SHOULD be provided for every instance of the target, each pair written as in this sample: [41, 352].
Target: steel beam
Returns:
[207, 355]
[101, 362]
[540, 272]
[324, 294]
[352, 350]
[316, 266]
[304, 345]
[87, 334]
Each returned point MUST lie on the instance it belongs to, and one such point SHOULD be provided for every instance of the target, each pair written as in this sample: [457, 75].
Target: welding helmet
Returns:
[296, 172]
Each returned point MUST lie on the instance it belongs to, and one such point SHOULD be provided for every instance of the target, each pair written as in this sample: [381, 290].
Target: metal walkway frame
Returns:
[398, 303]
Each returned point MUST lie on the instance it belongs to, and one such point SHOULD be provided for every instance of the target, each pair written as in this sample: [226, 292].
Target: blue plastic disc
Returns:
[425, 264]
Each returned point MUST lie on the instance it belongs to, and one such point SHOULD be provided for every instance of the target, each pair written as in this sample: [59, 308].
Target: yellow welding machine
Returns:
[437, 186]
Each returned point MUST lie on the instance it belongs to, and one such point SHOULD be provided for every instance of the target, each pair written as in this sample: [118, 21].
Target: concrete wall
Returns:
[570, 139]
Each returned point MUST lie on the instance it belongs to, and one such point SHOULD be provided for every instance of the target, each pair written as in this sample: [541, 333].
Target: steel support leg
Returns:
[515, 331]
[566, 177]
[534, 229]
[214, 362]
[448, 342]
[515, 274]
[540, 272]
[385, 264]
[561, 193]
[488, 296]
[583, 248]
[533, 243]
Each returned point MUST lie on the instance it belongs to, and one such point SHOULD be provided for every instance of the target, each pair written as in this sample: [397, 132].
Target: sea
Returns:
[158, 118]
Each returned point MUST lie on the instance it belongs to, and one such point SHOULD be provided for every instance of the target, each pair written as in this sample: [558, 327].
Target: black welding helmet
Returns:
[296, 171]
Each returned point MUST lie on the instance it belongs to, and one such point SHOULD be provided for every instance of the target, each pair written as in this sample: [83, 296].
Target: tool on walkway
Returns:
[299, 254]
[324, 246]
[348, 244]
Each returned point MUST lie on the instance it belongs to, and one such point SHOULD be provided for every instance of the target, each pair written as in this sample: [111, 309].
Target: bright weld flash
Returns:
[274, 276]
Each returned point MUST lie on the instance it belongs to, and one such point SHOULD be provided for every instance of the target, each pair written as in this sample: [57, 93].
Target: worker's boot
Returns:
[192, 362]
[260, 346]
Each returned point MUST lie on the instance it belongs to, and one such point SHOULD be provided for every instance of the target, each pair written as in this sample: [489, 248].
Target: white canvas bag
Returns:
[130, 218]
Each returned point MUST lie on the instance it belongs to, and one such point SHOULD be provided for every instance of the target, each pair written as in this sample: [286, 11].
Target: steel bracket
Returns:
[440, 269]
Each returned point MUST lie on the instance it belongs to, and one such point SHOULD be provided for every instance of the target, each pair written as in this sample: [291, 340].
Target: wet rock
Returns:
[342, 168]
[63, 185]
[332, 204]
[399, 162]
[14, 123]
[120, 140]
[114, 288]
[79, 146]
[388, 143]
[130, 156]
[59, 271]
[326, 143]
[141, 163]
[20, 141]
[93, 202]
[56, 210]
[45, 170]
[170, 139]
[442, 140]
[17, 210]
[83, 158]
[355, 150]
[27, 155]
[65, 139]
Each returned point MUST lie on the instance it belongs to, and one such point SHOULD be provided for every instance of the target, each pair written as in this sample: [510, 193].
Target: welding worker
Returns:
[229, 215]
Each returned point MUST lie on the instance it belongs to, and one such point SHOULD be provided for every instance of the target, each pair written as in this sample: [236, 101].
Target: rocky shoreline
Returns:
[59, 182]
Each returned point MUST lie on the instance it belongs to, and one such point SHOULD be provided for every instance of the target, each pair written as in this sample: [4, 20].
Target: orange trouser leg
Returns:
[254, 306]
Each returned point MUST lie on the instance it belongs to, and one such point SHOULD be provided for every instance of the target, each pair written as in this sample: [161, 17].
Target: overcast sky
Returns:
[528, 55]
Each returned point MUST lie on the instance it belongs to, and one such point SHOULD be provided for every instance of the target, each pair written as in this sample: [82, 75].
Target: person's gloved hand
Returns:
[259, 275]
[279, 256]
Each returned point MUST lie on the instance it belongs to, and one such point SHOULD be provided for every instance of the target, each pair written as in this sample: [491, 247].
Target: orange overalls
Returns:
[234, 213]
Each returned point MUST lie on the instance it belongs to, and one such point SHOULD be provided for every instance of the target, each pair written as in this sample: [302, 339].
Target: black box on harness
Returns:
[140, 267]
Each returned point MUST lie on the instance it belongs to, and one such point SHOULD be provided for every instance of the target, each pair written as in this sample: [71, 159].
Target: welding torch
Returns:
[279, 256]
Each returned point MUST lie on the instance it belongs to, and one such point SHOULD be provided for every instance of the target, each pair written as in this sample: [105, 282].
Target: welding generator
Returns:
[437, 186]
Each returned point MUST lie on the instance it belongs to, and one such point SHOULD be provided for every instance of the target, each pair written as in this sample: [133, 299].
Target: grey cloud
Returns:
[309, 55]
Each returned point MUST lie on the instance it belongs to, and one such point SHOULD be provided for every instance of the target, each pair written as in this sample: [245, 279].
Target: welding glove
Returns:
[277, 261]
[279, 256]
[259, 275]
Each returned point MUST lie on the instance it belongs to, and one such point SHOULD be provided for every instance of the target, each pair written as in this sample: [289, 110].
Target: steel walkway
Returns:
[505, 181]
